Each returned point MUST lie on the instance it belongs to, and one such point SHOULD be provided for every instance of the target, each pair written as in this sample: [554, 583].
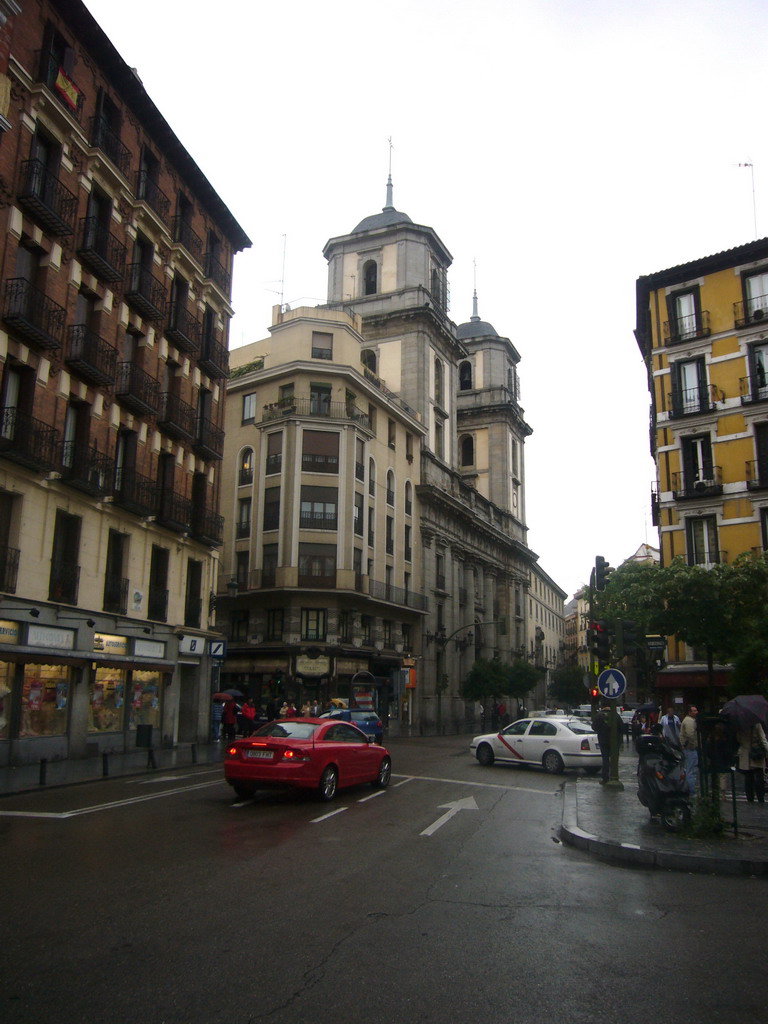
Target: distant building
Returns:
[702, 328]
[114, 311]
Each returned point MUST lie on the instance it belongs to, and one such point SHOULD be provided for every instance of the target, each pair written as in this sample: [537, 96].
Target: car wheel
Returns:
[552, 762]
[485, 755]
[329, 782]
[592, 771]
[243, 791]
[385, 773]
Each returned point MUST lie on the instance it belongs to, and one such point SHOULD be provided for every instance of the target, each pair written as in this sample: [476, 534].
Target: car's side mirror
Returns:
[371, 739]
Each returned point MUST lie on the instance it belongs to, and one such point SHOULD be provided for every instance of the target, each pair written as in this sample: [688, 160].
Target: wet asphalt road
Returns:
[164, 900]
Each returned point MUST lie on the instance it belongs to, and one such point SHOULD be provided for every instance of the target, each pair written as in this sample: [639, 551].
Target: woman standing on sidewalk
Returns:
[753, 747]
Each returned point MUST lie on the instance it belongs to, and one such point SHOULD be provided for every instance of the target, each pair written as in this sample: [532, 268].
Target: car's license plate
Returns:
[261, 755]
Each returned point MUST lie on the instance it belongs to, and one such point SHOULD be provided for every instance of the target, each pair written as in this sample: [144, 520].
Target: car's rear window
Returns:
[363, 716]
[579, 727]
[283, 730]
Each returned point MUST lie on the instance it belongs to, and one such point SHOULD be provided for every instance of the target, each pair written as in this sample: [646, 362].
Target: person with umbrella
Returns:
[229, 719]
[748, 714]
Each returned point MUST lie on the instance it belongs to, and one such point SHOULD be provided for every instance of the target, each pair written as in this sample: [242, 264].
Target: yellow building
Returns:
[702, 328]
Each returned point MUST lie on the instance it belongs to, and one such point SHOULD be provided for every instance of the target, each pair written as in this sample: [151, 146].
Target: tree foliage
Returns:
[567, 685]
[495, 678]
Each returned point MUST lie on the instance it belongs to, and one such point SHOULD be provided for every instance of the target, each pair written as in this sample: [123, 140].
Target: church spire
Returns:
[475, 317]
[389, 204]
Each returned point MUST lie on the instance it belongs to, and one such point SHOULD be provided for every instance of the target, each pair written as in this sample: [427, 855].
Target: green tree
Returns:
[567, 685]
[493, 678]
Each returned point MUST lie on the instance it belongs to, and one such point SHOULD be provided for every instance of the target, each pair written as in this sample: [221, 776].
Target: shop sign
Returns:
[148, 648]
[348, 666]
[9, 632]
[306, 666]
[51, 636]
[107, 643]
[192, 645]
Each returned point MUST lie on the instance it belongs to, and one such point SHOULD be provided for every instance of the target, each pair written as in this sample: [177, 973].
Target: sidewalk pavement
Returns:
[612, 825]
[35, 777]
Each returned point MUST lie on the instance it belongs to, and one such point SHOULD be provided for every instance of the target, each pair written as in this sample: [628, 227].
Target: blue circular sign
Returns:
[611, 683]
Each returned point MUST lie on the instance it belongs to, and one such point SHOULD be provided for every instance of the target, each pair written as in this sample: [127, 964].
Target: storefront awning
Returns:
[694, 678]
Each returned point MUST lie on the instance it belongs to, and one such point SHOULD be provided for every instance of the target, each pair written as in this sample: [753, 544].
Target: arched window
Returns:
[438, 382]
[467, 450]
[370, 278]
[390, 488]
[465, 376]
[368, 359]
[246, 467]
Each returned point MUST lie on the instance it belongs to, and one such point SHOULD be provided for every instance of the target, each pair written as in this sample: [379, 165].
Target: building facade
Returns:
[702, 328]
[390, 448]
[114, 313]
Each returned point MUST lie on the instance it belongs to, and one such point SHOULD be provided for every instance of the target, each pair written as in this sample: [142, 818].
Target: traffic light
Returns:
[602, 572]
[599, 639]
[594, 693]
[626, 637]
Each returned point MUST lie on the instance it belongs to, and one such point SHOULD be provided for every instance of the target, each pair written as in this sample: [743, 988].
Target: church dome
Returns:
[475, 327]
[388, 217]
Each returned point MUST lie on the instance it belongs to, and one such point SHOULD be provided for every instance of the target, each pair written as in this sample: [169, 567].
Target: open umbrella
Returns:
[744, 712]
[648, 707]
[222, 696]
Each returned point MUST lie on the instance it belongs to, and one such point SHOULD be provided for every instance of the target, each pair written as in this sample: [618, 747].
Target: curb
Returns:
[632, 855]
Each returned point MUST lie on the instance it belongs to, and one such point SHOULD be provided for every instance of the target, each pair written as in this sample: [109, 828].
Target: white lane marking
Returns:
[408, 778]
[467, 804]
[331, 814]
[479, 785]
[111, 804]
[365, 799]
[169, 778]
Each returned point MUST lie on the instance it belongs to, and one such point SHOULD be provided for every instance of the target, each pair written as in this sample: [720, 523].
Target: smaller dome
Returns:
[476, 328]
[388, 217]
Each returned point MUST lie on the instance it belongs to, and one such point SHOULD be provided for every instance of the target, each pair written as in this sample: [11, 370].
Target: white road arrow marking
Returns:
[467, 804]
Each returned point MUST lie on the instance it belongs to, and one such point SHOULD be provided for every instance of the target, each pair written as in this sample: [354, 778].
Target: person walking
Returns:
[753, 747]
[248, 711]
[229, 720]
[216, 712]
[690, 743]
[670, 727]
[601, 723]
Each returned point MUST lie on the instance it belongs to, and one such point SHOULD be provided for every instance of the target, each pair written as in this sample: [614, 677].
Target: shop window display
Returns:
[45, 700]
[6, 679]
[145, 698]
[106, 700]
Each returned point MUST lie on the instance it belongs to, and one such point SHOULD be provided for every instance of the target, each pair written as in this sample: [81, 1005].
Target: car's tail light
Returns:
[292, 754]
[232, 752]
[585, 744]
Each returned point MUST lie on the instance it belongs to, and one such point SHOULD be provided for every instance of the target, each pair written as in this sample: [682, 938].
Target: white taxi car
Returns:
[552, 743]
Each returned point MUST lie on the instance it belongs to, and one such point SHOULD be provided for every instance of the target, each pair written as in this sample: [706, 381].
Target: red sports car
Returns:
[321, 754]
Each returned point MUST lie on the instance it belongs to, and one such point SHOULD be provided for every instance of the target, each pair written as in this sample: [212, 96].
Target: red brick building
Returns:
[116, 264]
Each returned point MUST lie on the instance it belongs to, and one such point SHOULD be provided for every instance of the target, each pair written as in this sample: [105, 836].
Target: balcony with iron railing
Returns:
[207, 526]
[174, 512]
[208, 442]
[754, 388]
[395, 595]
[193, 610]
[311, 463]
[32, 315]
[66, 90]
[157, 604]
[687, 328]
[245, 476]
[105, 138]
[28, 441]
[115, 599]
[243, 530]
[316, 408]
[318, 520]
[135, 492]
[359, 471]
[324, 581]
[150, 192]
[706, 483]
[757, 474]
[136, 390]
[44, 197]
[690, 401]
[751, 312]
[144, 292]
[100, 251]
[274, 463]
[216, 272]
[176, 418]
[9, 568]
[214, 357]
[655, 507]
[90, 357]
[183, 233]
[64, 581]
[183, 329]
[86, 468]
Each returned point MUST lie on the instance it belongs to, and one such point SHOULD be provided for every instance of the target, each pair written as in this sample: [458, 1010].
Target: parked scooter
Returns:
[661, 782]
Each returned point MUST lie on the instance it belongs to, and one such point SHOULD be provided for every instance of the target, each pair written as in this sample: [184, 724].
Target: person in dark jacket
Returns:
[601, 723]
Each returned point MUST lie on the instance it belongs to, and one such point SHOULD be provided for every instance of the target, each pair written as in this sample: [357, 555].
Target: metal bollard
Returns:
[43, 769]
[194, 753]
[151, 762]
[105, 765]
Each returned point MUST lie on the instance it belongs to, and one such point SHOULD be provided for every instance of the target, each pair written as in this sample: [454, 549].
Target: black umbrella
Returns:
[648, 707]
[744, 712]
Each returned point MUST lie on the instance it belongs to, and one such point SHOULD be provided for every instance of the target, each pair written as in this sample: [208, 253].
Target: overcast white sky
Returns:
[568, 146]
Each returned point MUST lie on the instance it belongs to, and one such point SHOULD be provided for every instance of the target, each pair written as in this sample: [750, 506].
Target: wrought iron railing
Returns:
[145, 292]
[148, 190]
[64, 582]
[100, 250]
[182, 232]
[43, 195]
[183, 329]
[209, 440]
[90, 357]
[9, 568]
[687, 328]
[176, 417]
[135, 492]
[27, 440]
[33, 315]
[216, 272]
[157, 604]
[318, 520]
[105, 138]
[115, 598]
[136, 390]
[86, 468]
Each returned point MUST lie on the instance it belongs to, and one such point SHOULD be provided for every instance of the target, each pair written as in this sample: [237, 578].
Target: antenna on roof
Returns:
[390, 204]
[751, 167]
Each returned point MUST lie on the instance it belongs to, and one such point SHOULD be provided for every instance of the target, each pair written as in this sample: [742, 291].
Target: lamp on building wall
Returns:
[233, 587]
[437, 637]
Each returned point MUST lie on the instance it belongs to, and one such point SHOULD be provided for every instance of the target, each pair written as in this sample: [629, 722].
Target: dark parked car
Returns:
[368, 721]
